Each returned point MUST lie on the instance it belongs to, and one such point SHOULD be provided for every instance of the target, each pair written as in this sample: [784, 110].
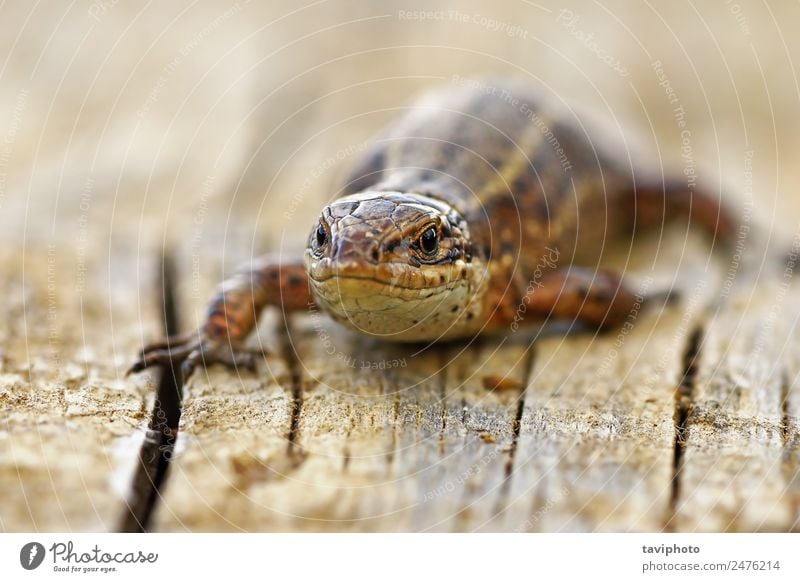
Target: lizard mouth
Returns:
[348, 296]
[393, 275]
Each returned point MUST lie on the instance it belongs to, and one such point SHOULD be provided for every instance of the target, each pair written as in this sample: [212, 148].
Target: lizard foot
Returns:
[194, 349]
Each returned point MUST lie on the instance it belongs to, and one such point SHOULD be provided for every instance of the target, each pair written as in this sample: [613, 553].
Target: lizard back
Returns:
[523, 175]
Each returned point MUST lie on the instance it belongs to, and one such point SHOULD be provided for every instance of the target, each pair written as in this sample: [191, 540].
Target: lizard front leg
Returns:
[599, 299]
[232, 315]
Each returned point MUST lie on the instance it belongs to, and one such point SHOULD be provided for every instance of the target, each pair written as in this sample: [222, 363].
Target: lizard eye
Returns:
[319, 238]
[321, 235]
[429, 241]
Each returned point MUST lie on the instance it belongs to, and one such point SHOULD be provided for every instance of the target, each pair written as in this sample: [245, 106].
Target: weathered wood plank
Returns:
[597, 437]
[426, 441]
[70, 424]
[394, 442]
[738, 472]
[233, 436]
[596, 441]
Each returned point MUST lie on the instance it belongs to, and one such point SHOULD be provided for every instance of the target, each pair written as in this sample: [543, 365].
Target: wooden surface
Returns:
[71, 426]
[212, 136]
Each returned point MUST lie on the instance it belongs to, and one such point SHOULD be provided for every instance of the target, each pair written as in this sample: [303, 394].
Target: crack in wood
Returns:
[294, 450]
[390, 454]
[162, 431]
[442, 380]
[505, 487]
[530, 361]
[785, 415]
[684, 404]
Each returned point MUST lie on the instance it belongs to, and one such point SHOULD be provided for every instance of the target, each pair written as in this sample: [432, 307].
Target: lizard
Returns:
[478, 200]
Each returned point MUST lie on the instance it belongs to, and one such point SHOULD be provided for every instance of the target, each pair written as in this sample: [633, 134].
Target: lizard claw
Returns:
[191, 350]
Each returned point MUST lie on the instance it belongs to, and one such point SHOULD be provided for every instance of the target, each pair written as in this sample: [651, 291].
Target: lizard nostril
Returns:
[375, 254]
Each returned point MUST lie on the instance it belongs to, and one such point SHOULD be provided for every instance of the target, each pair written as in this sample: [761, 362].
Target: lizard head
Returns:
[395, 265]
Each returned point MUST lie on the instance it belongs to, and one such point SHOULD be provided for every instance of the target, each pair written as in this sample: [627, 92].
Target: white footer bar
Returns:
[401, 557]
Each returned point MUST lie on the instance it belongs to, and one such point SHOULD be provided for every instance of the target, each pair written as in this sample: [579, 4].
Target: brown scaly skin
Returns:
[475, 203]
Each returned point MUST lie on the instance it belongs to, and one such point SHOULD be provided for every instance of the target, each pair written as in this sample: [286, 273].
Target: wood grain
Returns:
[738, 469]
[70, 423]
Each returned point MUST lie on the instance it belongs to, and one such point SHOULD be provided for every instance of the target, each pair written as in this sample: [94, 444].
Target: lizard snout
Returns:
[365, 251]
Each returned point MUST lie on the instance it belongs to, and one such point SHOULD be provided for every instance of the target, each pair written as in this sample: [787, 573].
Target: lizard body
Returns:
[476, 202]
